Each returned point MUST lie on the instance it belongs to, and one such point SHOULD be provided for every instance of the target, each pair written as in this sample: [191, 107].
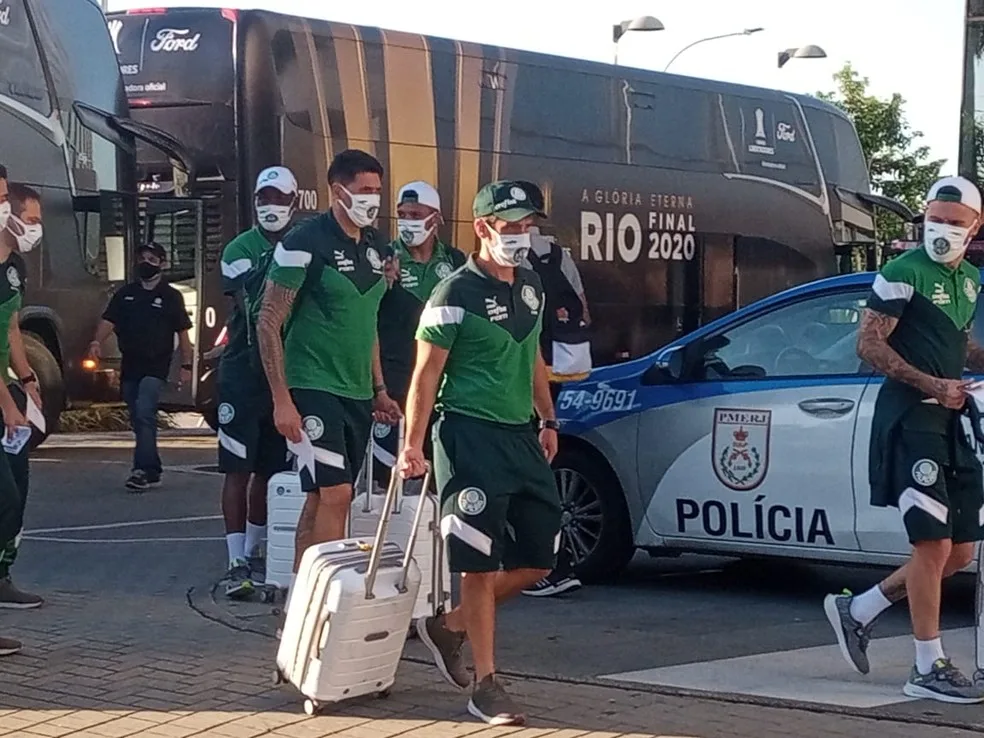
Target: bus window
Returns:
[673, 127]
[21, 74]
[589, 126]
[100, 220]
[839, 150]
[769, 141]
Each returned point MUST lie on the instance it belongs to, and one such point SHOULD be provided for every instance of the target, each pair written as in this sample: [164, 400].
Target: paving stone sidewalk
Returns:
[150, 666]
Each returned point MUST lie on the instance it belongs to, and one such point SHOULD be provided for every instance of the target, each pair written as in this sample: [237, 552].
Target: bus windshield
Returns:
[175, 64]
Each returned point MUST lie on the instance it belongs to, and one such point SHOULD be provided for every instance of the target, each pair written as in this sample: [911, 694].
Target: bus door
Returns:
[178, 224]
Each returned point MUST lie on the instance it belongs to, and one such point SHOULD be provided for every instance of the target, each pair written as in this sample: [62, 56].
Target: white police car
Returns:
[748, 436]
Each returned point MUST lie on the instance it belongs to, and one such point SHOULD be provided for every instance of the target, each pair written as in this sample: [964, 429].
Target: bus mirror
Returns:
[115, 258]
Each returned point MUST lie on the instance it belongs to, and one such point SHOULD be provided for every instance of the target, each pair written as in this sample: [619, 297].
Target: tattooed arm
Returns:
[278, 301]
[873, 348]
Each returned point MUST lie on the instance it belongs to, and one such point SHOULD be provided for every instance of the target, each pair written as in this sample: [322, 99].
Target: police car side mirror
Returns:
[669, 366]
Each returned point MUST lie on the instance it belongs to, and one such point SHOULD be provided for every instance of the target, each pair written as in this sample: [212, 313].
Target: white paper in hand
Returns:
[976, 390]
[14, 442]
[34, 415]
[304, 452]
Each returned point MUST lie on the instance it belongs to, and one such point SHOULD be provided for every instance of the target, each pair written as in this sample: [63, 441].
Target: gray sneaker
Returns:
[445, 645]
[852, 637]
[12, 598]
[237, 580]
[257, 568]
[489, 702]
[944, 683]
[8, 646]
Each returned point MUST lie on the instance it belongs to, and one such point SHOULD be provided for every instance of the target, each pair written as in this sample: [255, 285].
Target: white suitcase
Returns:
[348, 615]
[435, 585]
[285, 499]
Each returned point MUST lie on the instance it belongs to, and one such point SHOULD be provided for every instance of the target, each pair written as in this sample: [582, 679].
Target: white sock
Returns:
[927, 652]
[867, 606]
[236, 543]
[254, 537]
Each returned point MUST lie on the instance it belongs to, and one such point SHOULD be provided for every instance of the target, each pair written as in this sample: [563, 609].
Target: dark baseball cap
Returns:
[154, 248]
[510, 200]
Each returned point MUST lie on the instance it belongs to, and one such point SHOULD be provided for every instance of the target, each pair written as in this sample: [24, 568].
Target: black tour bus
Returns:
[66, 132]
[681, 199]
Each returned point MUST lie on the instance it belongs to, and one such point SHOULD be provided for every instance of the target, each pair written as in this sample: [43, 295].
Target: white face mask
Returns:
[509, 250]
[945, 243]
[414, 232]
[363, 210]
[274, 218]
[28, 236]
[4, 214]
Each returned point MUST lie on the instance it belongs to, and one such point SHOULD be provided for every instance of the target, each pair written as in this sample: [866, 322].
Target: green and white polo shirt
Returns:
[935, 307]
[332, 330]
[491, 330]
[13, 280]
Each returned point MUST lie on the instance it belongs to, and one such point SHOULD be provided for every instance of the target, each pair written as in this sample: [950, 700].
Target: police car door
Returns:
[760, 457]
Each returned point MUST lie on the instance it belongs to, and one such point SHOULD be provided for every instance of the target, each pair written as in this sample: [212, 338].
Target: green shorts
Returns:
[339, 430]
[500, 508]
[249, 442]
[941, 490]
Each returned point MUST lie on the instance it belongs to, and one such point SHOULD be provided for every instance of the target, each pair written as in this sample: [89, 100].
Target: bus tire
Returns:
[52, 384]
[612, 544]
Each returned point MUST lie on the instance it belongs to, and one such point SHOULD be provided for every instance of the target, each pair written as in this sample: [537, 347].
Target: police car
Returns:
[748, 436]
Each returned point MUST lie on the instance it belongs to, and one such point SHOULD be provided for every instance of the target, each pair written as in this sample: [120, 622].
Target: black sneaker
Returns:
[553, 584]
[153, 479]
[445, 646]
[852, 637]
[945, 683]
[490, 703]
[137, 481]
[238, 583]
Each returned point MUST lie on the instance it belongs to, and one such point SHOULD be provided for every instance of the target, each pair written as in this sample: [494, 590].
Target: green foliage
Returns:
[900, 167]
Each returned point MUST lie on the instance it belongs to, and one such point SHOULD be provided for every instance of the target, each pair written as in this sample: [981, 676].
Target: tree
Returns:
[900, 167]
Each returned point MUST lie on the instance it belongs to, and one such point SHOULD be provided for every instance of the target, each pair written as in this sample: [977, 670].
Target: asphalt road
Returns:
[86, 533]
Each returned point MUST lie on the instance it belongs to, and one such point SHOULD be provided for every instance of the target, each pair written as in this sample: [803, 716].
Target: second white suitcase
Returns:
[285, 499]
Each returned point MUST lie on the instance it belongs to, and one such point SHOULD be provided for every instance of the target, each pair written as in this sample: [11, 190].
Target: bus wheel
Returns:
[49, 375]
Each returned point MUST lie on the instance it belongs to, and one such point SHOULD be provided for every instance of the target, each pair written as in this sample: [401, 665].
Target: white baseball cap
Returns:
[956, 189]
[280, 178]
[420, 192]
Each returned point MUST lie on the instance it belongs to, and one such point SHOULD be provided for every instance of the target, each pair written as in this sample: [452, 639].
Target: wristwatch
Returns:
[377, 388]
[32, 377]
[549, 425]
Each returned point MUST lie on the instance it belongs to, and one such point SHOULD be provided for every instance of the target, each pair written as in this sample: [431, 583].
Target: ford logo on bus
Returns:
[174, 39]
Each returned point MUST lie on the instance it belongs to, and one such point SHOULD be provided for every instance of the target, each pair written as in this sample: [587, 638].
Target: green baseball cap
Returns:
[510, 200]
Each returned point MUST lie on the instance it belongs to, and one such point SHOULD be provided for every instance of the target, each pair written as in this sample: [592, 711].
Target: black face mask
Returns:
[146, 271]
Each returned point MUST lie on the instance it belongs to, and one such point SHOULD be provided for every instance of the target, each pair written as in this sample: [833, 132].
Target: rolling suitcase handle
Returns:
[377, 545]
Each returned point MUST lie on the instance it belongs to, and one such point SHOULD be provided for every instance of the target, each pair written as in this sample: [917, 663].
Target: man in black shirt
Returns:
[146, 315]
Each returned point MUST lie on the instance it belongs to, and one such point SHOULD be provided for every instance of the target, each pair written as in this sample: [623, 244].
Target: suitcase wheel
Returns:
[268, 595]
[278, 678]
[383, 694]
[311, 708]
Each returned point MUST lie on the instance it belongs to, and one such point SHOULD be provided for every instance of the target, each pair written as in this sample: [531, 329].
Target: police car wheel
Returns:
[595, 525]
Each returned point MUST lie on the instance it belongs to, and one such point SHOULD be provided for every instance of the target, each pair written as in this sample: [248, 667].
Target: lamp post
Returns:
[642, 23]
[803, 52]
[746, 32]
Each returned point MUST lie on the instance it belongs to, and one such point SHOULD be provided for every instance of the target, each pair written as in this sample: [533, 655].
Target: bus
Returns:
[67, 138]
[680, 199]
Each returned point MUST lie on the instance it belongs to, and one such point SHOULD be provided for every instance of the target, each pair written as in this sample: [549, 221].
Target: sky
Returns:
[913, 47]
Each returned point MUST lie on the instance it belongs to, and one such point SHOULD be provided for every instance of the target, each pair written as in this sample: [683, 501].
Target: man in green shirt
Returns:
[478, 355]
[249, 444]
[317, 335]
[421, 260]
[916, 331]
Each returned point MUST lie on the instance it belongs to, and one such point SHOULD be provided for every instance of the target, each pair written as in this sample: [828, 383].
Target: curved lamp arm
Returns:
[746, 32]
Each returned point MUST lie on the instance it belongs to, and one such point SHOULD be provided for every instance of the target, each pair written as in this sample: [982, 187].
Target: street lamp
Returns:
[746, 32]
[642, 23]
[803, 52]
